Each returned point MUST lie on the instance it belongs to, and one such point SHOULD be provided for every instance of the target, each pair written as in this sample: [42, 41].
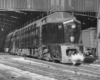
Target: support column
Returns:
[98, 37]
[98, 33]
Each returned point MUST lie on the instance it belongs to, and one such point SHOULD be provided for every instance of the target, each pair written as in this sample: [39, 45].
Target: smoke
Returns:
[77, 57]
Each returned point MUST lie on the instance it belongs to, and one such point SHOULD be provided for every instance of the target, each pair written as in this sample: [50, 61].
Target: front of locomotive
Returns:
[72, 48]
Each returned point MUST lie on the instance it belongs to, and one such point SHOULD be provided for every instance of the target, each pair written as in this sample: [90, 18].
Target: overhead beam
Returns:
[8, 20]
[50, 5]
[8, 17]
[13, 13]
[3, 23]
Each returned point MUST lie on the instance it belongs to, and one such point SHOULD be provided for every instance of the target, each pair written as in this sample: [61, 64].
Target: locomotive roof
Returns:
[53, 18]
[59, 17]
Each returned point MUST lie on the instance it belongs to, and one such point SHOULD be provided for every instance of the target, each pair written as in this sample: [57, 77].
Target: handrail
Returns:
[34, 19]
[37, 18]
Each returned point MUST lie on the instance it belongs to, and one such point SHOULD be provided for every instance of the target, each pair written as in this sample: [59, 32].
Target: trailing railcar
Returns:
[54, 37]
[89, 43]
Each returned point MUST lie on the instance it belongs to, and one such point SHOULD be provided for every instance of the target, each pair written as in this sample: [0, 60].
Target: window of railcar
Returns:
[28, 29]
[21, 31]
[20, 34]
[23, 37]
[32, 26]
[25, 30]
[36, 31]
[35, 25]
[17, 33]
[29, 36]
[33, 30]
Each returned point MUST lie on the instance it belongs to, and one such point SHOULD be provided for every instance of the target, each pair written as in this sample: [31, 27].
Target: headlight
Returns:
[73, 26]
[59, 26]
[72, 38]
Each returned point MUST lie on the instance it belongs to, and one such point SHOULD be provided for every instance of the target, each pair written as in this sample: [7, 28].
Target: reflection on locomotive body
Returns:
[54, 37]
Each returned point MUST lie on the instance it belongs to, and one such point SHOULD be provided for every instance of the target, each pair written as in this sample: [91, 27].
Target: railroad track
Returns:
[55, 70]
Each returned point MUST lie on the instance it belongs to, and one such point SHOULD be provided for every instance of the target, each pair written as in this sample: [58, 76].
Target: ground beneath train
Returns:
[14, 67]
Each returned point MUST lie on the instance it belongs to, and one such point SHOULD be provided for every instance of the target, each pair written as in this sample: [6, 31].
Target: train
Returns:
[55, 37]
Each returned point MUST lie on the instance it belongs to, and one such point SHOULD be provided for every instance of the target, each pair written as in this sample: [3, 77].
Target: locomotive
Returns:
[55, 37]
